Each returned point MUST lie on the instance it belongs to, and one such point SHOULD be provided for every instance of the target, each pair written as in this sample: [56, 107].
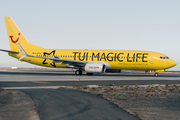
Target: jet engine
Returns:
[95, 68]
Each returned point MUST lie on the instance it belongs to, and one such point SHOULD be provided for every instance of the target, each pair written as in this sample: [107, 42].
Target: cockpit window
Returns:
[164, 57]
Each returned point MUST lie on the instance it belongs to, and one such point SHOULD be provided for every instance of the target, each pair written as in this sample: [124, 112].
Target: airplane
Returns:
[90, 61]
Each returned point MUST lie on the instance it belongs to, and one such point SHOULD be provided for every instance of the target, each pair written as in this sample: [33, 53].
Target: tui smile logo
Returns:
[14, 41]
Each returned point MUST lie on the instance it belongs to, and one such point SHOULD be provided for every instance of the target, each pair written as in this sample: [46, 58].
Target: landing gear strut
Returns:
[156, 74]
[78, 72]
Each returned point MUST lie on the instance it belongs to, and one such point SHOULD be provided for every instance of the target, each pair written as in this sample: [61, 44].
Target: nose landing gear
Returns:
[156, 74]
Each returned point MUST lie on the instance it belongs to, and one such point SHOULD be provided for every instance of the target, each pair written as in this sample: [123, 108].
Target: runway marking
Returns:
[33, 81]
[38, 82]
[36, 87]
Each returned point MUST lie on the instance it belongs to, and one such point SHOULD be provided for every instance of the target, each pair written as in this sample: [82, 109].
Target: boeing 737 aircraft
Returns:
[90, 61]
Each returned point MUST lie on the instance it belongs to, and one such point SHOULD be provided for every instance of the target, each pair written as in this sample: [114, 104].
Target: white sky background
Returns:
[151, 25]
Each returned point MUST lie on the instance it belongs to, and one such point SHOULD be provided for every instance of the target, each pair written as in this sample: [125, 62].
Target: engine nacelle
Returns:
[95, 68]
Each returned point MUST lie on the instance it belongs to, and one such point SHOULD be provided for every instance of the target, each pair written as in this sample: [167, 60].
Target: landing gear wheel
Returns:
[156, 74]
[78, 72]
[89, 73]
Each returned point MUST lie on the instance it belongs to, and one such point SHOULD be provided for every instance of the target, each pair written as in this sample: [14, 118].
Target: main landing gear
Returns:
[156, 74]
[78, 72]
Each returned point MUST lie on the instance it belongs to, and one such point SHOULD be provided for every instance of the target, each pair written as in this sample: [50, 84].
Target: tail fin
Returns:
[15, 35]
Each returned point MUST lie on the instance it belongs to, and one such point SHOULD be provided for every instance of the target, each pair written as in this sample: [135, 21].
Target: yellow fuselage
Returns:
[117, 59]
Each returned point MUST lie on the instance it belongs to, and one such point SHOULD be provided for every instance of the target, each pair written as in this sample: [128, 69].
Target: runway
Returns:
[53, 103]
[53, 79]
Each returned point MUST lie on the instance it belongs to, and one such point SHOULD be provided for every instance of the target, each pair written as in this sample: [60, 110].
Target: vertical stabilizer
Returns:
[15, 35]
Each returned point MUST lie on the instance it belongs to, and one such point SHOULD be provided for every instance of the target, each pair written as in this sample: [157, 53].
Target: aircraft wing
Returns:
[54, 60]
[64, 61]
[71, 63]
[9, 51]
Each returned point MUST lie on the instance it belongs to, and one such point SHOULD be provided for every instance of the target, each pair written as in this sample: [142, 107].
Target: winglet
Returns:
[22, 51]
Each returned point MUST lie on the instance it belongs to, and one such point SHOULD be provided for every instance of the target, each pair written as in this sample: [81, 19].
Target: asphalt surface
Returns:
[34, 78]
[72, 73]
[58, 104]
[81, 83]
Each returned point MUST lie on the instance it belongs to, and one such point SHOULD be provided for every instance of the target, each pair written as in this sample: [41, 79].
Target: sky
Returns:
[149, 25]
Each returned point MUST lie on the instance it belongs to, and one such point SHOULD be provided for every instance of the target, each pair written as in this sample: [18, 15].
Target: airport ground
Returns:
[69, 102]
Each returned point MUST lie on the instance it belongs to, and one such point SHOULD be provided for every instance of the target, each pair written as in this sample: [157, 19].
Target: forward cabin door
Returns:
[151, 59]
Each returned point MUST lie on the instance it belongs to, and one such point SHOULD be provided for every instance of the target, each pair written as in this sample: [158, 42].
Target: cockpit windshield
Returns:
[164, 57]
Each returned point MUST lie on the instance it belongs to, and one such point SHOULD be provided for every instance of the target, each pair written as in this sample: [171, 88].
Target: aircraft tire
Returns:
[78, 72]
[156, 74]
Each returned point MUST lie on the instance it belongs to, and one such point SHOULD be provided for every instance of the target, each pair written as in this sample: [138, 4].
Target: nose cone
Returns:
[172, 63]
